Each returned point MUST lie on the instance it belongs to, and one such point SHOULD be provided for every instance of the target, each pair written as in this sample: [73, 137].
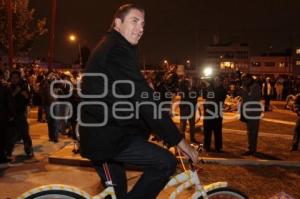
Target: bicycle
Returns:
[182, 181]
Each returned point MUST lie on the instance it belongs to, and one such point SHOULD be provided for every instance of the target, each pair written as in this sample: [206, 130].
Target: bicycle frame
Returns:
[190, 178]
[182, 181]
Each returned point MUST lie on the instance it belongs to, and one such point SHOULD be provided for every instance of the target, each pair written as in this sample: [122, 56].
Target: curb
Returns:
[247, 162]
[66, 157]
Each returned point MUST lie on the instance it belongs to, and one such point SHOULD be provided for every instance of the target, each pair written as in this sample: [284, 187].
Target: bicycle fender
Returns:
[208, 188]
[215, 185]
[55, 187]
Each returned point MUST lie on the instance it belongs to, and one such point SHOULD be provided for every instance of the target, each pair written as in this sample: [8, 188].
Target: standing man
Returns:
[107, 132]
[296, 138]
[21, 99]
[214, 96]
[188, 92]
[7, 114]
[267, 92]
[250, 111]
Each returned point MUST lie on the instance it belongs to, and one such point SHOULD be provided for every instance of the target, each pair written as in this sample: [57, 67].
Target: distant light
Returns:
[207, 71]
[165, 61]
[188, 61]
[72, 37]
[298, 51]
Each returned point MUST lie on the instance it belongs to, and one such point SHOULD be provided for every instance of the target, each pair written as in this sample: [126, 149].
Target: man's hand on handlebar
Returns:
[188, 151]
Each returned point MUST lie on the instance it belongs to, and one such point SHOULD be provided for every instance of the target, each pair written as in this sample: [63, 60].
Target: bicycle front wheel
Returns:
[226, 193]
[54, 194]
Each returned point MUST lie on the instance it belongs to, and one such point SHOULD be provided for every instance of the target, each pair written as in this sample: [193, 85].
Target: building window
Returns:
[256, 64]
[298, 62]
[269, 64]
[227, 65]
[282, 64]
[298, 51]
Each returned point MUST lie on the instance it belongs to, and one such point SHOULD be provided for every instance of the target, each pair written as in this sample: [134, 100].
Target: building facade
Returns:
[270, 65]
[296, 61]
[229, 57]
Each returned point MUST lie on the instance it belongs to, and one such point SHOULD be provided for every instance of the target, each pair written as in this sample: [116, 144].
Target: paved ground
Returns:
[22, 175]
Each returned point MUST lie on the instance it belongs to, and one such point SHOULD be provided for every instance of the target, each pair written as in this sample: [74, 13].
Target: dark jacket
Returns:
[20, 101]
[251, 95]
[117, 59]
[7, 108]
[214, 95]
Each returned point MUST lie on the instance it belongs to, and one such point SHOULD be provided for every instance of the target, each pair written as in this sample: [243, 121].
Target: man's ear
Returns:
[118, 22]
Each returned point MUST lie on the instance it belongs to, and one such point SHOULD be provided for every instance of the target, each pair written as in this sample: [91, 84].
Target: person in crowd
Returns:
[214, 96]
[279, 88]
[21, 97]
[47, 100]
[296, 138]
[250, 111]
[7, 114]
[267, 92]
[189, 94]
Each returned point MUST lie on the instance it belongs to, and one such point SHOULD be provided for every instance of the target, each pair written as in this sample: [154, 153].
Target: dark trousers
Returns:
[22, 130]
[267, 102]
[52, 124]
[157, 163]
[252, 132]
[40, 113]
[296, 138]
[185, 111]
[3, 140]
[213, 125]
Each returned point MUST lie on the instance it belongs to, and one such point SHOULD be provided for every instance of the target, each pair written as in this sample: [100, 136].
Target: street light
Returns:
[208, 71]
[166, 64]
[188, 64]
[73, 39]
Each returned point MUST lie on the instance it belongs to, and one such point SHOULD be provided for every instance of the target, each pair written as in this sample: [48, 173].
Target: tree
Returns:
[26, 28]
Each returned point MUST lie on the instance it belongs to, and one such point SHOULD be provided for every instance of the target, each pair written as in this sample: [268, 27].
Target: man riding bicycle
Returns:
[119, 112]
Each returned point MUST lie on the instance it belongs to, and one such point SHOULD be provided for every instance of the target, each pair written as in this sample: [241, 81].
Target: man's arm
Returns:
[162, 126]
[188, 151]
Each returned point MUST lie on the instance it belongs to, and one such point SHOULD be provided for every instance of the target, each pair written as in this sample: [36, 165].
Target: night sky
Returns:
[176, 30]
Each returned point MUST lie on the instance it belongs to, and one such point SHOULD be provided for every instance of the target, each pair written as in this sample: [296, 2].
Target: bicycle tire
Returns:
[226, 192]
[54, 194]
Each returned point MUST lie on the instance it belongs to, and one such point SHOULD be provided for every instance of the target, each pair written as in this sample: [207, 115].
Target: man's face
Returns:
[132, 27]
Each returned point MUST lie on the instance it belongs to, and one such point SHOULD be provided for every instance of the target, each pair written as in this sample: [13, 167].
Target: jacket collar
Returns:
[121, 39]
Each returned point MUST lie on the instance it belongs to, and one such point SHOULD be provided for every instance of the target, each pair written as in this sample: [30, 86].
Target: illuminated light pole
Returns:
[52, 35]
[166, 64]
[73, 39]
[188, 64]
[9, 33]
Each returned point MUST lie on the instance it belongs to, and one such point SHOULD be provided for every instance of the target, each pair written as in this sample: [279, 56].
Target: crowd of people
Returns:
[26, 87]
[30, 86]
[249, 88]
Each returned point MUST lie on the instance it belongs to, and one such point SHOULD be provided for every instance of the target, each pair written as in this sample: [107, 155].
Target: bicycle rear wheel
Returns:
[226, 193]
[54, 194]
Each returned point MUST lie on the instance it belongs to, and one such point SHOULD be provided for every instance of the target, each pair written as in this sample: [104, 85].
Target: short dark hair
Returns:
[122, 12]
